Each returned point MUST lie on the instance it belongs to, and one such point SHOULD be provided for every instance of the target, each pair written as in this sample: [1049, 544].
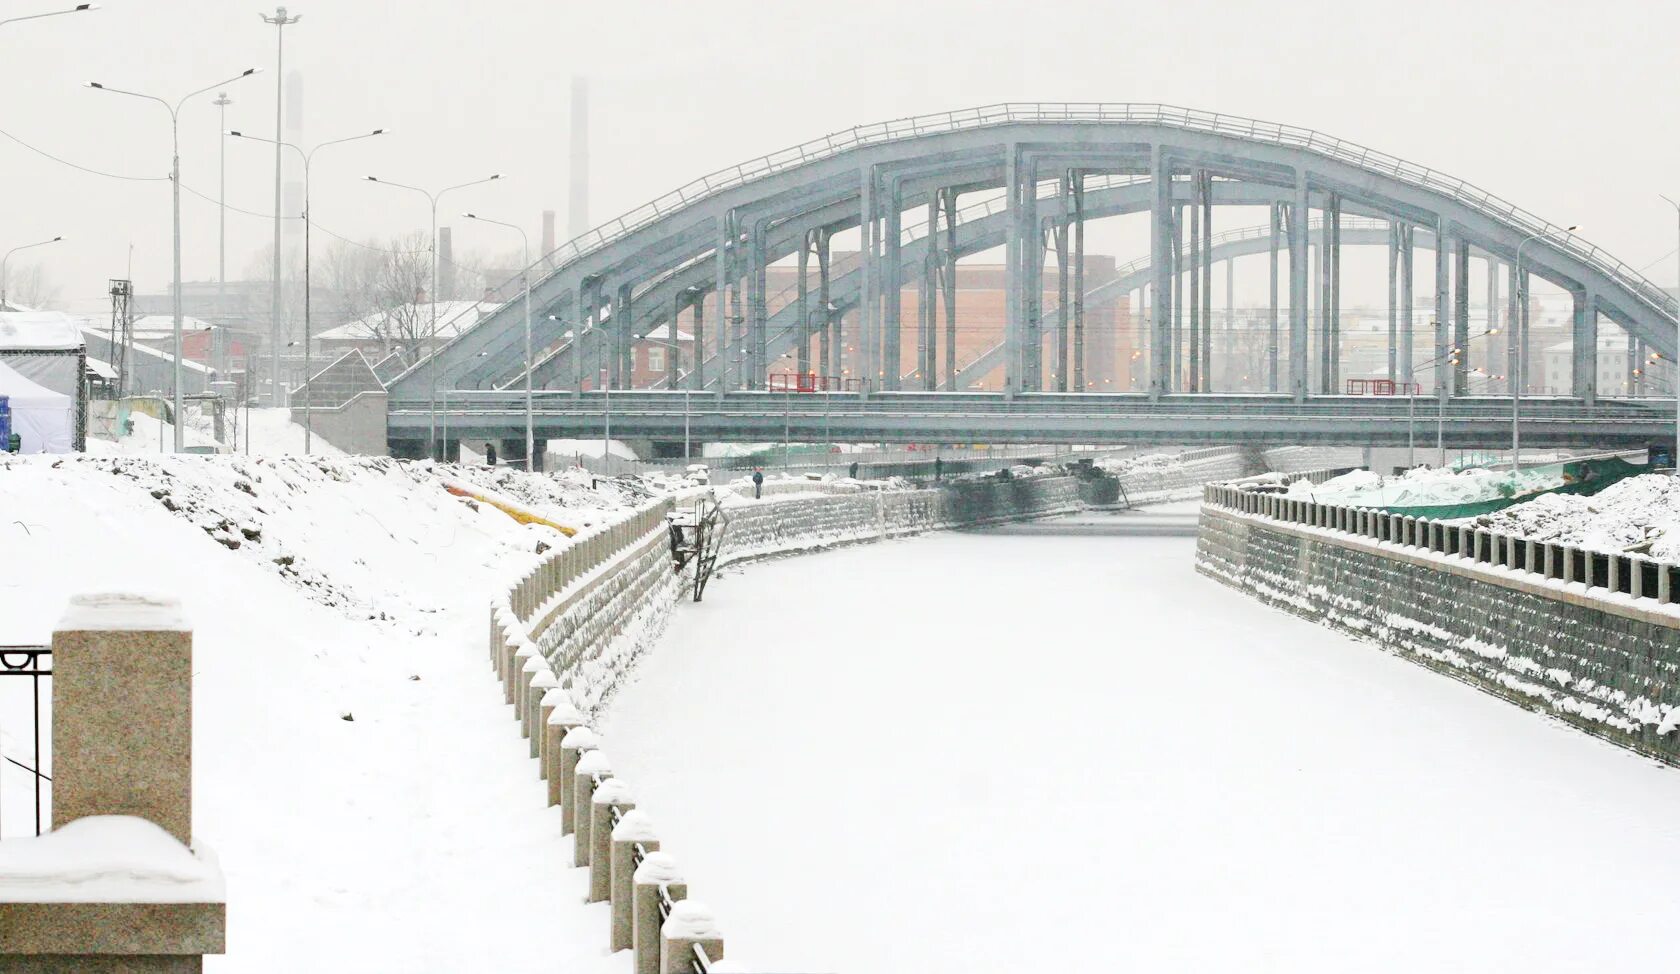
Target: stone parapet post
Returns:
[590, 767]
[689, 926]
[634, 829]
[611, 794]
[577, 742]
[657, 872]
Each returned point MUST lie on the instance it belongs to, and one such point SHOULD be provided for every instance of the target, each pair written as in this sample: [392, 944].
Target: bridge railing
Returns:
[1611, 574]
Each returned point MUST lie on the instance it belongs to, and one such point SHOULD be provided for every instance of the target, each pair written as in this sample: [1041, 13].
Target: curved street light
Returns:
[307, 157]
[174, 111]
[525, 259]
[433, 199]
[77, 9]
[5, 280]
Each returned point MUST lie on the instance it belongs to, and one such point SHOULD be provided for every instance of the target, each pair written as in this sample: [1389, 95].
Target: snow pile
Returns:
[106, 859]
[1424, 487]
[257, 432]
[1639, 514]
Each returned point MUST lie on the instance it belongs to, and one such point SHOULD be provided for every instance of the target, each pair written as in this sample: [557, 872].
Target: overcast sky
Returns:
[1563, 107]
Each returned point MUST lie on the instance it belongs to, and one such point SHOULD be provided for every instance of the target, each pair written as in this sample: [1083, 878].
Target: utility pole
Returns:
[276, 342]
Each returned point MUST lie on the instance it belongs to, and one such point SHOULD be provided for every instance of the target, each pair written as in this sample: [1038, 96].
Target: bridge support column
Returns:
[1393, 300]
[1160, 269]
[1461, 316]
[1333, 230]
[623, 340]
[1271, 365]
[758, 266]
[1443, 319]
[927, 302]
[830, 363]
[1514, 333]
[1229, 351]
[590, 374]
[1493, 322]
[725, 273]
[1326, 277]
[1298, 290]
[1078, 189]
[1178, 305]
[948, 199]
[571, 319]
[1194, 375]
[802, 358]
[1032, 251]
[892, 284]
[1015, 304]
[1064, 190]
[1205, 264]
[1585, 349]
[868, 305]
[1407, 280]
[696, 367]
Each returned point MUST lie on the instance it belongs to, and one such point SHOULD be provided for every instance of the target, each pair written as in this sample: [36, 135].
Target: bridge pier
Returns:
[948, 199]
[1443, 366]
[1516, 337]
[1408, 314]
[892, 286]
[1194, 378]
[757, 268]
[1160, 267]
[1393, 300]
[1204, 180]
[1078, 191]
[1064, 190]
[1178, 306]
[1298, 298]
[1333, 216]
[1584, 352]
[1493, 320]
[802, 353]
[1461, 316]
[1275, 214]
[826, 329]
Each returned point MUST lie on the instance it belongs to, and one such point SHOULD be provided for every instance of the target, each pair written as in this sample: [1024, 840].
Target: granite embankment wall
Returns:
[1590, 638]
[568, 631]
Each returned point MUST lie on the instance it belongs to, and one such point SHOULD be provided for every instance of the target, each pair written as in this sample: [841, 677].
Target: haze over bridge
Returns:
[705, 250]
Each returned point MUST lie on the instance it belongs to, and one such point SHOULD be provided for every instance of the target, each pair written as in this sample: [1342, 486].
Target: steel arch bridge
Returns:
[705, 248]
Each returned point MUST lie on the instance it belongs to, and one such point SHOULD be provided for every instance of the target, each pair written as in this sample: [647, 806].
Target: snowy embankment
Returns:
[1640, 514]
[1425, 487]
[351, 761]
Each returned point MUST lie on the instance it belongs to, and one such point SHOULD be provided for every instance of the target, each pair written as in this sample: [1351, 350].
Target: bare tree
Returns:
[30, 287]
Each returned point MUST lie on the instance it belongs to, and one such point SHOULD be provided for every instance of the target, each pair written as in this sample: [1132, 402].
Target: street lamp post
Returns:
[175, 183]
[431, 356]
[308, 337]
[525, 242]
[1440, 413]
[1519, 376]
[280, 22]
[77, 9]
[5, 278]
[218, 336]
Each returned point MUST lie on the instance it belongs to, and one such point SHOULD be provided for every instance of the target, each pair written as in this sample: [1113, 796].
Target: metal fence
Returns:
[35, 664]
[1640, 578]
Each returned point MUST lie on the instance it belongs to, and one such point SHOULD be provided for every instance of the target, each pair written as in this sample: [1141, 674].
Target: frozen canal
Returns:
[1056, 747]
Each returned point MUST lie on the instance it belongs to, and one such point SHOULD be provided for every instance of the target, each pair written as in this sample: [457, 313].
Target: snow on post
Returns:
[657, 872]
[536, 714]
[572, 747]
[634, 829]
[560, 717]
[590, 766]
[690, 925]
[613, 793]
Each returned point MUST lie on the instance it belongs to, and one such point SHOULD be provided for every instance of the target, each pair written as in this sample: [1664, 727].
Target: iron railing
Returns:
[34, 662]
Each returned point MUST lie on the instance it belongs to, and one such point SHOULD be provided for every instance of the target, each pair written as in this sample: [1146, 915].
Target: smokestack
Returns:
[446, 266]
[577, 203]
[548, 235]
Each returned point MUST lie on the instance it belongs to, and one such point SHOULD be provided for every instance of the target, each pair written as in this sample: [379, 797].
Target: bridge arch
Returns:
[711, 241]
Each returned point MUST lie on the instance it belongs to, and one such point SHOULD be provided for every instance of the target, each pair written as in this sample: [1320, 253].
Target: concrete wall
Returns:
[1593, 640]
[356, 427]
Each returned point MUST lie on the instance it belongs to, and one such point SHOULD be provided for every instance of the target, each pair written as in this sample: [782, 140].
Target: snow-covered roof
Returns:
[453, 317]
[663, 332]
[164, 325]
[49, 331]
[102, 369]
[149, 352]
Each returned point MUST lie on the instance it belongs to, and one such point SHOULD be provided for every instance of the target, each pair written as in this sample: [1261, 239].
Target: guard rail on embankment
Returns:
[569, 629]
[1590, 637]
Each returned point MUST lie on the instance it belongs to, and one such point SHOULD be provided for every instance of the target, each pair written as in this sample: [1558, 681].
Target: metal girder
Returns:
[1257, 155]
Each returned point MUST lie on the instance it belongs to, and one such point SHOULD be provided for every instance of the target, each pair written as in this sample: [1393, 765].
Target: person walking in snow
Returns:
[490, 454]
[758, 484]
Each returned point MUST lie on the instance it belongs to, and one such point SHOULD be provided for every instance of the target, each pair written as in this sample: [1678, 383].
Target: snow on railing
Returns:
[1639, 578]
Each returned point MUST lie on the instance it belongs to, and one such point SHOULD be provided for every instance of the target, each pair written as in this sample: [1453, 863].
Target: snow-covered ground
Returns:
[1640, 513]
[355, 768]
[1427, 486]
[260, 432]
[1016, 750]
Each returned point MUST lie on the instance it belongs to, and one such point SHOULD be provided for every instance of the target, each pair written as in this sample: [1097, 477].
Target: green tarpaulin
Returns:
[1585, 477]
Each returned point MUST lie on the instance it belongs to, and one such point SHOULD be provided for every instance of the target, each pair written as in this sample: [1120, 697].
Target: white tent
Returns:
[45, 420]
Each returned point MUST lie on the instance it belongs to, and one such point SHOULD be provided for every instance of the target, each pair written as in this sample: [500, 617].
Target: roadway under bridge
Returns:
[924, 192]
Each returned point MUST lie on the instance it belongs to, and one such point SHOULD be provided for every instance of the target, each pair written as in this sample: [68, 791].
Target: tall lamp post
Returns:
[431, 355]
[1519, 375]
[77, 9]
[1676, 347]
[218, 337]
[280, 22]
[175, 183]
[308, 157]
[5, 279]
[525, 260]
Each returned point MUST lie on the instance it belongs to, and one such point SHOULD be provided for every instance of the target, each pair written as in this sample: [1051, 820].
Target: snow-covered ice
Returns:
[998, 752]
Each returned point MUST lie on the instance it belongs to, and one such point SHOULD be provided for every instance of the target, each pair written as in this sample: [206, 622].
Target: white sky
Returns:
[1559, 106]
